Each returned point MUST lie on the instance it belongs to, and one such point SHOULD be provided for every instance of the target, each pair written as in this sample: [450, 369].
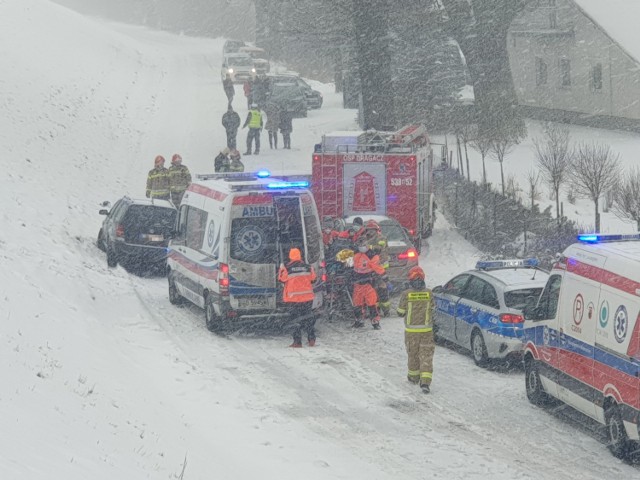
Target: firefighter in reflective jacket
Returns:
[365, 271]
[416, 306]
[379, 246]
[298, 278]
[158, 180]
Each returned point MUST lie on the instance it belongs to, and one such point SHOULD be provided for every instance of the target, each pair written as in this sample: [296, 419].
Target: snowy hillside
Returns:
[104, 379]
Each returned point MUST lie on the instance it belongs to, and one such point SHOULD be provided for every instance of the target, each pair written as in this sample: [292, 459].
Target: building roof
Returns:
[619, 20]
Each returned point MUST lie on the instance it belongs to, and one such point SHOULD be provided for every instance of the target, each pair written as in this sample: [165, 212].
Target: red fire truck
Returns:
[376, 173]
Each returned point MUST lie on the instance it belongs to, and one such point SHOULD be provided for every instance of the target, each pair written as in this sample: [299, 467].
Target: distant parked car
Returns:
[403, 255]
[481, 309]
[232, 46]
[135, 233]
[289, 97]
[239, 66]
[313, 97]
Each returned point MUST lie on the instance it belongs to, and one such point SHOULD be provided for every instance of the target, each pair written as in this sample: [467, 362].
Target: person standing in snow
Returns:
[231, 123]
[179, 179]
[286, 127]
[273, 123]
[248, 91]
[229, 89]
[298, 278]
[365, 298]
[254, 122]
[158, 180]
[416, 306]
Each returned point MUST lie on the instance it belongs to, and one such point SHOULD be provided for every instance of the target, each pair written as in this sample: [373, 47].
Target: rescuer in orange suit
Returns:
[298, 278]
[365, 271]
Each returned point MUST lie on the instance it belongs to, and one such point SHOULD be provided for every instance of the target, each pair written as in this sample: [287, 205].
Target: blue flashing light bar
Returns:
[263, 174]
[298, 184]
[598, 238]
[513, 263]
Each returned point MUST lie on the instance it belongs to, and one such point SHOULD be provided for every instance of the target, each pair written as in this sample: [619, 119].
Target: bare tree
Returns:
[481, 144]
[554, 156]
[500, 148]
[626, 197]
[533, 186]
[595, 169]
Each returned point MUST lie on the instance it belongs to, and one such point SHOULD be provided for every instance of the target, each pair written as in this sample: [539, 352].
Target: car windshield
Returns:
[240, 61]
[147, 219]
[518, 298]
[393, 232]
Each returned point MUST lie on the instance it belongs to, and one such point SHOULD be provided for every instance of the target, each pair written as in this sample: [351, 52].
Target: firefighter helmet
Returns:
[372, 225]
[416, 273]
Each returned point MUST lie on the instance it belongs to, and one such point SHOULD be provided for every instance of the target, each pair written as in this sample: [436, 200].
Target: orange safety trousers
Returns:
[364, 294]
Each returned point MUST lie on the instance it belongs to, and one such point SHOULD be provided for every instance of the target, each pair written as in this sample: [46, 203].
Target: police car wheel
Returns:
[479, 349]
[535, 391]
[174, 297]
[619, 443]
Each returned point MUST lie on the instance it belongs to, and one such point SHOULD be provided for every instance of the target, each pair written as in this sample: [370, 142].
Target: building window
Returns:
[596, 77]
[541, 72]
[565, 72]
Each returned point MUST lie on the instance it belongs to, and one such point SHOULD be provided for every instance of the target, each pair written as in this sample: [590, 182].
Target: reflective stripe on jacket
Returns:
[179, 178]
[297, 277]
[416, 306]
[158, 183]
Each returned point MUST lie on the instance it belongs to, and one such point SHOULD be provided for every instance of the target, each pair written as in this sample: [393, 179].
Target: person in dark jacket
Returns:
[222, 161]
[273, 123]
[231, 123]
[158, 180]
[229, 89]
[298, 295]
[254, 122]
[286, 127]
[248, 91]
[179, 179]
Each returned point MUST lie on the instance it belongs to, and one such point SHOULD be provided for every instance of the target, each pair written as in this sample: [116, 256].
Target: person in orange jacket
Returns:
[298, 295]
[366, 268]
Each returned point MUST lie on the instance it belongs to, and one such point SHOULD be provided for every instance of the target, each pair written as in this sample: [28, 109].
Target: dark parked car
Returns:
[313, 97]
[135, 233]
[289, 97]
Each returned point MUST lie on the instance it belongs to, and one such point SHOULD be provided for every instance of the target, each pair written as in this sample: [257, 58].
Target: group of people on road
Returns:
[277, 118]
[371, 296]
[168, 183]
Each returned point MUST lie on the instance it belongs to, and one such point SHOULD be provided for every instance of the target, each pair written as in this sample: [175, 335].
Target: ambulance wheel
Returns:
[212, 319]
[619, 443]
[174, 297]
[479, 349]
[535, 391]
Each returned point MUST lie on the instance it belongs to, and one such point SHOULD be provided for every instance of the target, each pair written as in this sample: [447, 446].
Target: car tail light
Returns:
[316, 158]
[511, 318]
[120, 231]
[223, 279]
[412, 232]
[409, 254]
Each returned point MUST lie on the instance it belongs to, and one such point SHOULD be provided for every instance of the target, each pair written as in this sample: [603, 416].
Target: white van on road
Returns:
[582, 339]
[232, 232]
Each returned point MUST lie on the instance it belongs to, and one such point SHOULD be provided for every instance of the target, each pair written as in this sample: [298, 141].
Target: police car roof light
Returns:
[279, 185]
[263, 173]
[513, 263]
[598, 238]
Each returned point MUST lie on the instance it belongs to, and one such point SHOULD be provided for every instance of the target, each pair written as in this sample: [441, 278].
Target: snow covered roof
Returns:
[619, 19]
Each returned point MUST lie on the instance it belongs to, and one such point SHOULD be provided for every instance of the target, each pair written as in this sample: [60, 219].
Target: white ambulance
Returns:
[233, 230]
[582, 339]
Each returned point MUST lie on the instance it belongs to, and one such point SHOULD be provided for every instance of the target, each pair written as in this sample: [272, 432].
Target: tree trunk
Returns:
[484, 172]
[466, 154]
[557, 192]
[502, 177]
[597, 216]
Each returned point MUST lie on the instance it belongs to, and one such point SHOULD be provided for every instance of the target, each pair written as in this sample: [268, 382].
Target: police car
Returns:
[481, 309]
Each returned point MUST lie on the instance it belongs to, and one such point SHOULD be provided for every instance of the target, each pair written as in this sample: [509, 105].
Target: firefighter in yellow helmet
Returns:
[416, 306]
